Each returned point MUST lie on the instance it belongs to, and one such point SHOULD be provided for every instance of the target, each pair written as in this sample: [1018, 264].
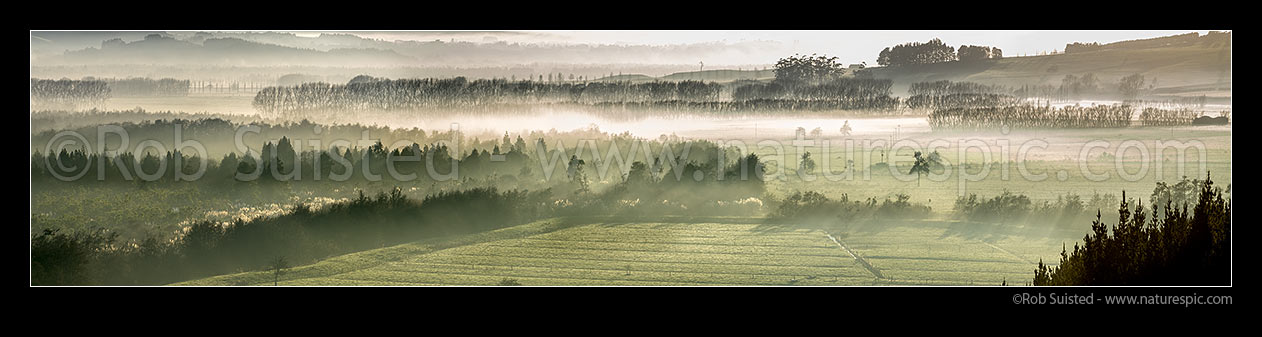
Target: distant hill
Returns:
[47, 49]
[719, 75]
[627, 78]
[51, 43]
[722, 75]
[161, 49]
[1175, 62]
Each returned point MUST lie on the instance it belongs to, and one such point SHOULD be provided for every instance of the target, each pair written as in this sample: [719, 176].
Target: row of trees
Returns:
[405, 94]
[1010, 208]
[1167, 117]
[960, 101]
[1071, 87]
[933, 51]
[947, 94]
[913, 53]
[507, 161]
[67, 94]
[799, 70]
[881, 105]
[138, 86]
[1029, 116]
[89, 91]
[1212, 39]
[841, 89]
[816, 208]
[945, 87]
[1179, 247]
[971, 53]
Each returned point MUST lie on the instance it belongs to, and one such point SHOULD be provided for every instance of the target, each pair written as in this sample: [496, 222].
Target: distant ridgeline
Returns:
[1213, 39]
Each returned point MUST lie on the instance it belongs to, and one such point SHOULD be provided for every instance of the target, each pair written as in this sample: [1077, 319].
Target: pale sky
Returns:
[849, 46]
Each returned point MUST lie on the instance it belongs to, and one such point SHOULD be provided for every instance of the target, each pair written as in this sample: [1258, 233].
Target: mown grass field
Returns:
[576, 252]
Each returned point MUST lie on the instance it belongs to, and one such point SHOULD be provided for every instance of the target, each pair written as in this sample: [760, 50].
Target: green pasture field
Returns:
[575, 252]
[1062, 154]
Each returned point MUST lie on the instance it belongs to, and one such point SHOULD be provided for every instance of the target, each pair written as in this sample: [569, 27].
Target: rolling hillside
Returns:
[1204, 68]
[720, 75]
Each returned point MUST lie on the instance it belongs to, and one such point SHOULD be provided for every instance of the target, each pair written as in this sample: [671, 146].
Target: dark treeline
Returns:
[1180, 247]
[912, 53]
[1030, 116]
[695, 187]
[384, 94]
[67, 94]
[944, 88]
[508, 160]
[815, 208]
[884, 105]
[973, 53]
[947, 94]
[45, 120]
[809, 80]
[218, 134]
[1012, 208]
[856, 89]
[963, 100]
[141, 86]
[303, 236]
[1182, 193]
[1166, 117]
[1180, 102]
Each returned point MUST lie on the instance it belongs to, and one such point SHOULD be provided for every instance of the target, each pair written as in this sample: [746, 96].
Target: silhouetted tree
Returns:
[279, 266]
[920, 168]
[933, 51]
[807, 70]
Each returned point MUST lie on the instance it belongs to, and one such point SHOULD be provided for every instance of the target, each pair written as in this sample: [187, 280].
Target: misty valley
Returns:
[349, 159]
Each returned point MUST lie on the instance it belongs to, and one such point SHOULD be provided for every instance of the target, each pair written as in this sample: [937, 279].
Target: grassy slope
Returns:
[720, 75]
[367, 259]
[1062, 154]
[688, 251]
[1171, 66]
[371, 258]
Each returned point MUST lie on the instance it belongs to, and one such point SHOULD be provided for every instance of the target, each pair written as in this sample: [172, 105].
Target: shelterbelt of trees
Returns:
[384, 94]
[43, 121]
[413, 94]
[91, 89]
[66, 93]
[1030, 116]
[549, 154]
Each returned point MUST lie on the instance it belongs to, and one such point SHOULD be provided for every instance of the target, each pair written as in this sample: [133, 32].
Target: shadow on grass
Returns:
[992, 232]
